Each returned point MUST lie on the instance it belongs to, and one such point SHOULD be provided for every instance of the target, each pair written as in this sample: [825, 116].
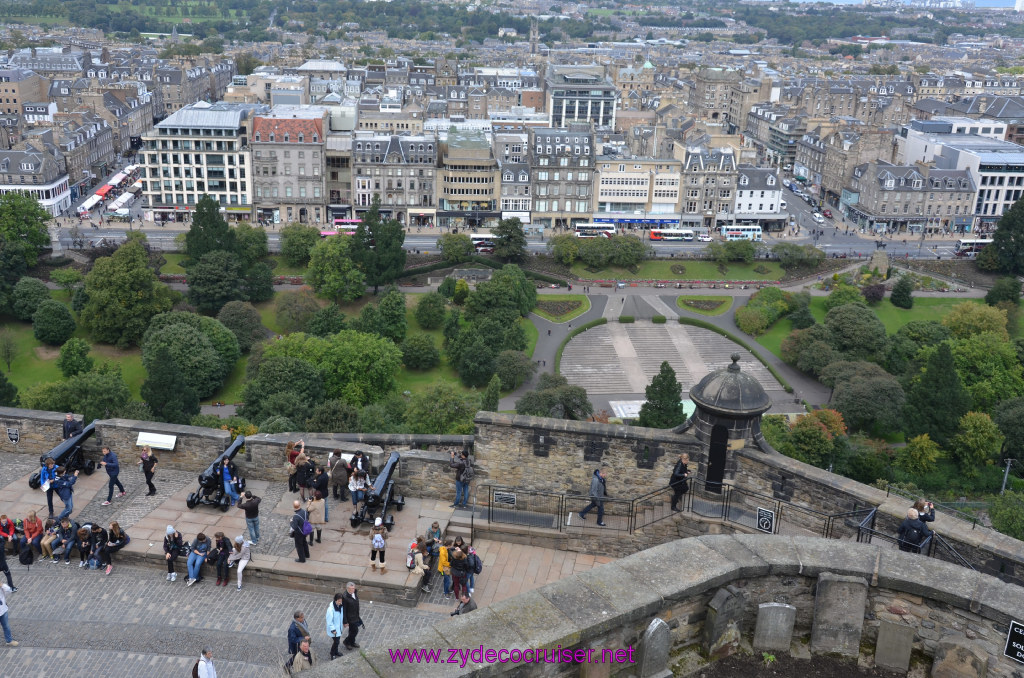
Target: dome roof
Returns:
[731, 392]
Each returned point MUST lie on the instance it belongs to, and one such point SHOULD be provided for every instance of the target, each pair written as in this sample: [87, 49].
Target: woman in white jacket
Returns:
[240, 555]
[205, 665]
[335, 624]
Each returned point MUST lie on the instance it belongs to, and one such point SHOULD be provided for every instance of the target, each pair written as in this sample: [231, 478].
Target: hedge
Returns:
[626, 319]
[482, 261]
[578, 330]
[696, 322]
[659, 320]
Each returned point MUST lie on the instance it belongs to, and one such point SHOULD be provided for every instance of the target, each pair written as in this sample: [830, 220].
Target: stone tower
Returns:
[534, 36]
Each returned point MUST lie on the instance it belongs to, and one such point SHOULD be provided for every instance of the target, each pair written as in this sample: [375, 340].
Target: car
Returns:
[704, 237]
[818, 218]
[786, 168]
[827, 213]
[783, 205]
[620, 285]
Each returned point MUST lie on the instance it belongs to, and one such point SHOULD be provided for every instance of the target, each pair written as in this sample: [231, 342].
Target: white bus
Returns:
[595, 230]
[742, 233]
[483, 243]
[969, 248]
[671, 234]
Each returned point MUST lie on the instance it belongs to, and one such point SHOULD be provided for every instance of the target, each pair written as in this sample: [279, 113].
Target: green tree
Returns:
[508, 290]
[214, 281]
[333, 416]
[909, 340]
[513, 368]
[937, 400]
[246, 63]
[475, 359]
[792, 256]
[430, 310]
[919, 455]
[282, 374]
[663, 407]
[293, 310]
[377, 248]
[442, 410]
[1008, 240]
[987, 260]
[209, 232]
[251, 244]
[258, 283]
[166, 392]
[52, 323]
[988, 368]
[123, 295]
[8, 347]
[455, 247]
[220, 337]
[1006, 288]
[596, 253]
[902, 292]
[391, 322]
[245, 323]
[841, 295]
[492, 395]
[740, 251]
[67, 278]
[97, 394]
[628, 251]
[1009, 417]
[8, 392]
[28, 294]
[461, 292]
[447, 288]
[565, 248]
[976, 444]
[419, 352]
[871, 404]
[856, 330]
[386, 416]
[452, 327]
[23, 237]
[509, 240]
[277, 424]
[811, 442]
[326, 321]
[194, 355]
[554, 397]
[332, 272]
[297, 241]
[74, 357]
[1007, 514]
[967, 319]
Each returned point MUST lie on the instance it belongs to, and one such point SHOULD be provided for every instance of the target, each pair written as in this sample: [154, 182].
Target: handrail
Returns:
[942, 543]
[945, 508]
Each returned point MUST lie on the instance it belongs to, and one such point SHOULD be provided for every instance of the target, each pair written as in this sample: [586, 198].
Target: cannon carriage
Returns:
[211, 483]
[380, 495]
[68, 454]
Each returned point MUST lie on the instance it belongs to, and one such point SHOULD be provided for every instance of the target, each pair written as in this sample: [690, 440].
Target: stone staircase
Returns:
[589, 361]
[654, 346]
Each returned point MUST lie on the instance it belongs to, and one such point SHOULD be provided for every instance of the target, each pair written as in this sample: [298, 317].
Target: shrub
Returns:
[764, 308]
[447, 288]
[901, 296]
[753, 320]
[873, 293]
[430, 310]
[26, 297]
[626, 319]
[659, 320]
[52, 323]
[419, 352]
[277, 424]
[243, 320]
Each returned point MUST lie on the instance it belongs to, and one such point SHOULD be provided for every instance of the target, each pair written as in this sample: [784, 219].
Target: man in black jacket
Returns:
[71, 427]
[678, 480]
[295, 530]
[912, 532]
[466, 604]
[350, 614]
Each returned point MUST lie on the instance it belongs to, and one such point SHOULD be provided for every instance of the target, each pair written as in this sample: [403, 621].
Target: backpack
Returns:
[195, 669]
[477, 564]
[912, 536]
[26, 556]
[378, 541]
[410, 558]
[467, 473]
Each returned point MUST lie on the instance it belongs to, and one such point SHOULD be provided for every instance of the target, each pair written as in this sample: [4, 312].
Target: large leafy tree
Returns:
[123, 295]
[419, 352]
[1008, 240]
[251, 244]
[282, 374]
[245, 323]
[1009, 417]
[663, 407]
[377, 247]
[442, 410]
[297, 241]
[937, 400]
[166, 391]
[74, 357]
[220, 337]
[195, 357]
[989, 369]
[507, 292]
[628, 251]
[23, 237]
[492, 395]
[391, 322]
[209, 231]
[509, 240]
[871, 404]
[333, 416]
[293, 310]
[52, 323]
[976, 443]
[97, 394]
[554, 397]
[565, 248]
[430, 310]
[326, 321]
[455, 247]
[513, 368]
[28, 294]
[902, 292]
[214, 281]
[855, 330]
[967, 319]
[332, 272]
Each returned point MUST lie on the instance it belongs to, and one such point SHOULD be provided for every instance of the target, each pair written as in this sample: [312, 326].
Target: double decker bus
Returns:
[970, 247]
[742, 233]
[342, 227]
[483, 243]
[595, 230]
[671, 234]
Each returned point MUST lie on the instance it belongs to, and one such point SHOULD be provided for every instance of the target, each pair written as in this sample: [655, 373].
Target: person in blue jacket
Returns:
[335, 623]
[64, 486]
[110, 463]
[47, 475]
[229, 476]
[297, 631]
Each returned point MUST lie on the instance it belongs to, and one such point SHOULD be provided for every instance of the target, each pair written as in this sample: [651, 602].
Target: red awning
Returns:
[102, 192]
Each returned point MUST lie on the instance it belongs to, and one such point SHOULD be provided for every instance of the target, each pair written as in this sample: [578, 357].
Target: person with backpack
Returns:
[99, 554]
[47, 476]
[378, 544]
[113, 468]
[444, 568]
[476, 566]
[419, 563]
[297, 530]
[33, 534]
[463, 475]
[6, 535]
[204, 668]
[912, 532]
[173, 546]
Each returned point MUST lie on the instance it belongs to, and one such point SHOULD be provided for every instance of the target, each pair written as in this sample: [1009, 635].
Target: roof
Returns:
[731, 392]
[222, 115]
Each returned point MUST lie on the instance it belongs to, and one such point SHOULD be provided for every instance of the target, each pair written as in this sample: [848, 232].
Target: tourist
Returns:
[444, 568]
[678, 480]
[315, 509]
[420, 557]
[335, 624]
[219, 555]
[459, 568]
[65, 531]
[33, 531]
[71, 427]
[350, 605]
[99, 551]
[925, 510]
[299, 518]
[320, 486]
[463, 475]
[378, 544]
[173, 546]
[240, 555]
[598, 492]
[357, 486]
[251, 505]
[49, 535]
[64, 486]
[198, 551]
[294, 451]
[4, 622]
[307, 474]
[83, 542]
[434, 540]
[360, 462]
[297, 631]
[47, 476]
[117, 539]
[338, 470]
[302, 659]
[912, 532]
[229, 478]
[475, 566]
[204, 667]
[113, 468]
[466, 604]
[148, 461]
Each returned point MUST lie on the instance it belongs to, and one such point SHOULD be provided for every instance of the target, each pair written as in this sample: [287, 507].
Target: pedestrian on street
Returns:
[315, 510]
[71, 427]
[320, 486]
[47, 476]
[352, 621]
[335, 624]
[204, 667]
[597, 495]
[297, 631]
[299, 518]
[678, 480]
[303, 659]
[378, 544]
[113, 468]
[251, 505]
[8, 637]
[148, 462]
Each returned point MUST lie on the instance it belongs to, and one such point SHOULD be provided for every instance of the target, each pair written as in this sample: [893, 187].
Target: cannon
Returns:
[379, 496]
[211, 486]
[69, 455]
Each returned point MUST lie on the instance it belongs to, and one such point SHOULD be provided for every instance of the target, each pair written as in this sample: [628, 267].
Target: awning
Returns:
[801, 179]
[117, 178]
[89, 203]
[103, 190]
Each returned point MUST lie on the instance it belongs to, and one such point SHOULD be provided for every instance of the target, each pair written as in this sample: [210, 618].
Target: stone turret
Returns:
[731, 398]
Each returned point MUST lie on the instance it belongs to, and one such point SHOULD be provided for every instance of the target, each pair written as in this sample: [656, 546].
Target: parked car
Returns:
[818, 218]
[827, 213]
[783, 205]
[704, 237]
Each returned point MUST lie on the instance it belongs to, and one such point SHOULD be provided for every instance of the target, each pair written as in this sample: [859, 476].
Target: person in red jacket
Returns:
[6, 535]
[33, 531]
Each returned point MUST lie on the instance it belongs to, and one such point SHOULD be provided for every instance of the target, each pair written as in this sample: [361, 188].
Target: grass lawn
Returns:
[231, 392]
[931, 308]
[565, 317]
[281, 268]
[173, 265]
[661, 269]
[722, 308]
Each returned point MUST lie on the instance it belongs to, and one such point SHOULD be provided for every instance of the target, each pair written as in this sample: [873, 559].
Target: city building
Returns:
[400, 170]
[288, 165]
[18, 86]
[512, 152]
[709, 179]
[562, 162]
[579, 94]
[637, 192]
[35, 167]
[759, 198]
[468, 182]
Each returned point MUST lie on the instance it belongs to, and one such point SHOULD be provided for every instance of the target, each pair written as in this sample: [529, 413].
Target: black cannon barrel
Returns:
[380, 483]
[210, 474]
[69, 447]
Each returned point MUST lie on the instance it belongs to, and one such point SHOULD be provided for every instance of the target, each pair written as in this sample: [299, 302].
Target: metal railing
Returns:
[847, 524]
[942, 508]
[655, 506]
[941, 549]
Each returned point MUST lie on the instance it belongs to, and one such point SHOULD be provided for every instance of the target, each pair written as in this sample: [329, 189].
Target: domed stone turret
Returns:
[731, 393]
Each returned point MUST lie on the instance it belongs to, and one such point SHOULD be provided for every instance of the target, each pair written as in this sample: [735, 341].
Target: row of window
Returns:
[301, 138]
[272, 154]
[579, 206]
[271, 191]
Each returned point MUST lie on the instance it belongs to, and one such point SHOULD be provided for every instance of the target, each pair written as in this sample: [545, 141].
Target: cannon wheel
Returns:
[400, 504]
[225, 503]
[89, 467]
[192, 500]
[354, 521]
[33, 481]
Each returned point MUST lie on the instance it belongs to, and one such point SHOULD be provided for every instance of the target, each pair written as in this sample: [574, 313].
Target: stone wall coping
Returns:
[377, 439]
[580, 608]
[580, 427]
[169, 429]
[44, 415]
